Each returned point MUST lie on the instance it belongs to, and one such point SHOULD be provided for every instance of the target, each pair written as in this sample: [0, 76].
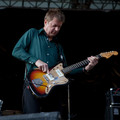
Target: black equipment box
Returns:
[113, 104]
[1, 102]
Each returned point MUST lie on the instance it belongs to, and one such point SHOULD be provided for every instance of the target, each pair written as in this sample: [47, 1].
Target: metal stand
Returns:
[68, 102]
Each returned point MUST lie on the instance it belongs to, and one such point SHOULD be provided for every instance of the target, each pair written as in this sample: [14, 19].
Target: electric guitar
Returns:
[41, 83]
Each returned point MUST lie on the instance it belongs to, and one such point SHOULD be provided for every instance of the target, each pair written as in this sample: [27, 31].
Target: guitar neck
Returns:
[77, 65]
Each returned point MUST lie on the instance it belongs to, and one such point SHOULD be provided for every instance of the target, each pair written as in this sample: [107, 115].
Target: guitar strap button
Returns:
[28, 87]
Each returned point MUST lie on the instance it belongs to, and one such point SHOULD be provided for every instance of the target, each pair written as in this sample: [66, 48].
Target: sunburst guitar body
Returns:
[42, 83]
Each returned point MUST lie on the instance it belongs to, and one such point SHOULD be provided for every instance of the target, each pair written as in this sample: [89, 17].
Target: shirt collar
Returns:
[42, 31]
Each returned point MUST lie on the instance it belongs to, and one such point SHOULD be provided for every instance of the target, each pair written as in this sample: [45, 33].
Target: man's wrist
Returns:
[84, 70]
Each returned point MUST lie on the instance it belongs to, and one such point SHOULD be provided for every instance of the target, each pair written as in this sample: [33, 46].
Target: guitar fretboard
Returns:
[76, 65]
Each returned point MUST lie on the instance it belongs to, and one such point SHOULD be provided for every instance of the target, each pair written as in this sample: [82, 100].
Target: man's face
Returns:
[53, 27]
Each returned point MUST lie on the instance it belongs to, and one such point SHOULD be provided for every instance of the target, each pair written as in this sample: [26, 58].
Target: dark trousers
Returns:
[32, 104]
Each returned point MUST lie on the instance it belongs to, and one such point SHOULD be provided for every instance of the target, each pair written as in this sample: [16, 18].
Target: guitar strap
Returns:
[26, 79]
[59, 54]
[61, 58]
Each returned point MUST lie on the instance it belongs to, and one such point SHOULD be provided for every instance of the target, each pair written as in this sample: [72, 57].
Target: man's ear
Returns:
[45, 22]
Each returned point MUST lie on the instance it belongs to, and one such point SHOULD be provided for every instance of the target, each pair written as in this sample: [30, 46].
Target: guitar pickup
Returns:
[46, 78]
[59, 73]
[50, 76]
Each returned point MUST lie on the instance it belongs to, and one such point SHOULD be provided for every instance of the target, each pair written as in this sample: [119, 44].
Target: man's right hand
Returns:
[42, 66]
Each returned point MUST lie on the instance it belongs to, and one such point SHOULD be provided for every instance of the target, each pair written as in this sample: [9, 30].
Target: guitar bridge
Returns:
[37, 82]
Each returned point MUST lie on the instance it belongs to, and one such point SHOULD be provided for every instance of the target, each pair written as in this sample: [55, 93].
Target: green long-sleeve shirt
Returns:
[34, 45]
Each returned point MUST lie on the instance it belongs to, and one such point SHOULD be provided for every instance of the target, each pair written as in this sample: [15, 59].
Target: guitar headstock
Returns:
[108, 54]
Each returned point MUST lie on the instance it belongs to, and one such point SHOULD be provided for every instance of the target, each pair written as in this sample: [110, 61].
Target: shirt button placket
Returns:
[48, 54]
[48, 50]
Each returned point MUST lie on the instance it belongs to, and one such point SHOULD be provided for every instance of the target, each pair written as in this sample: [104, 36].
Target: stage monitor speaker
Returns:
[113, 104]
[33, 116]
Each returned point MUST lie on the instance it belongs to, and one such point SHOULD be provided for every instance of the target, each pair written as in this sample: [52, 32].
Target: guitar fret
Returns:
[75, 66]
